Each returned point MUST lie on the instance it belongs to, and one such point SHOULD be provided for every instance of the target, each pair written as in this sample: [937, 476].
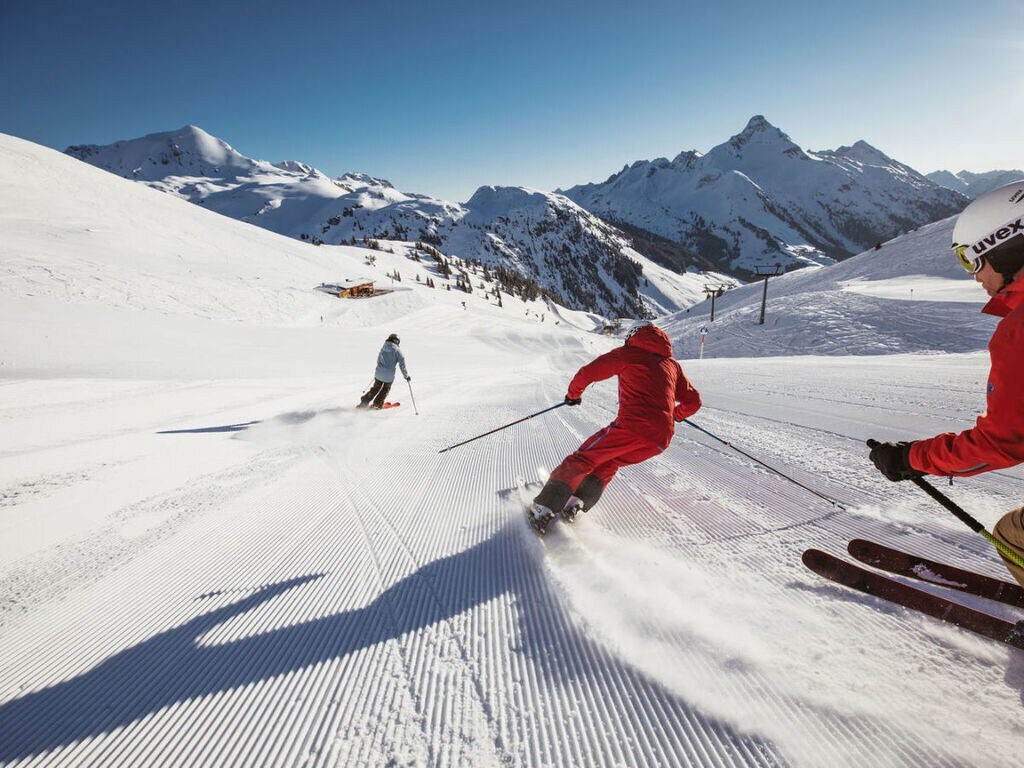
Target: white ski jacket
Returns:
[390, 356]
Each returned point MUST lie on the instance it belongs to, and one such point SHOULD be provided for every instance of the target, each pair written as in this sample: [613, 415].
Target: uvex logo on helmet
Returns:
[998, 237]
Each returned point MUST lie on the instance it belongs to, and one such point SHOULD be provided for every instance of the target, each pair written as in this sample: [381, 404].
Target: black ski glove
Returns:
[893, 459]
[573, 400]
[408, 378]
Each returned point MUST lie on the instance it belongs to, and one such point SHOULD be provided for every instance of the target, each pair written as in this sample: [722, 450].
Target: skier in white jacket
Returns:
[388, 357]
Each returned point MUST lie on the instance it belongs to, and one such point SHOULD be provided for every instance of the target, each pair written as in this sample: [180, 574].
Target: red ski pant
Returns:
[602, 454]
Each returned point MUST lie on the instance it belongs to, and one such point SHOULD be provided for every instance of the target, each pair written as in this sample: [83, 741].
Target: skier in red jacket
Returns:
[988, 240]
[653, 394]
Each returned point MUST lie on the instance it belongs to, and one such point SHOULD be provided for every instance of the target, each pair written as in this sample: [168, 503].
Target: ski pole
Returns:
[411, 397]
[963, 516]
[498, 429]
[766, 466]
[967, 520]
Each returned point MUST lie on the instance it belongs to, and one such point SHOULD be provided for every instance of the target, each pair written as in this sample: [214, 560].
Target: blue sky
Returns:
[442, 97]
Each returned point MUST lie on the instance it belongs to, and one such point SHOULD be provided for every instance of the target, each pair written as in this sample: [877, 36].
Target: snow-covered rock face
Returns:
[570, 253]
[580, 260]
[760, 201]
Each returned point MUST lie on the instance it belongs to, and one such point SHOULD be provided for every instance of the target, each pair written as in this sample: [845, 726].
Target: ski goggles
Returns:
[970, 265]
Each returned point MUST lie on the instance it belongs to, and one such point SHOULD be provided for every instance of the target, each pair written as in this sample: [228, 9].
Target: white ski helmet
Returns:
[991, 229]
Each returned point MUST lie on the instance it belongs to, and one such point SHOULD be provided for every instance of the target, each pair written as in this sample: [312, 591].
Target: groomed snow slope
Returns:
[210, 558]
[910, 295]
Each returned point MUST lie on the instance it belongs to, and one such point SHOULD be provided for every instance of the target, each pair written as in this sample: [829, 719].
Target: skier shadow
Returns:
[290, 418]
[202, 430]
[179, 665]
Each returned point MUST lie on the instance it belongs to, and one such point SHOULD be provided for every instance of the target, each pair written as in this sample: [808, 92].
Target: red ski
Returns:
[940, 574]
[876, 584]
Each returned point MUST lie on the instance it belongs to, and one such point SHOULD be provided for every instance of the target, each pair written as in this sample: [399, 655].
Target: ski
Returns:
[384, 407]
[876, 584]
[932, 572]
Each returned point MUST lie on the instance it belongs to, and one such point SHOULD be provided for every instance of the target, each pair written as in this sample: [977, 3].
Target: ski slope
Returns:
[910, 295]
[209, 557]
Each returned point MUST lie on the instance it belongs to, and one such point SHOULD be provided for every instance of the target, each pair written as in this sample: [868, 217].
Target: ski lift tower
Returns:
[712, 292]
[762, 272]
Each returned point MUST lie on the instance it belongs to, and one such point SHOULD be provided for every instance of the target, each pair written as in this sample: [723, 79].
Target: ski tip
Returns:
[874, 554]
[815, 559]
[858, 545]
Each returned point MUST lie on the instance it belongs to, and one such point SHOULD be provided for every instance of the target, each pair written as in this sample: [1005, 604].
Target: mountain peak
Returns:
[760, 129]
[188, 151]
[864, 153]
[757, 123]
[757, 133]
[193, 130]
[364, 180]
[686, 159]
[488, 199]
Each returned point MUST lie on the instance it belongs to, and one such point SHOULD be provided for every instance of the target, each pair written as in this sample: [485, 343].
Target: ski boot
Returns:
[585, 497]
[540, 517]
[572, 509]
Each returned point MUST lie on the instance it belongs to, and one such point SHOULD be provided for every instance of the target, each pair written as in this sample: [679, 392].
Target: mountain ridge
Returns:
[760, 200]
[753, 202]
[581, 261]
[974, 184]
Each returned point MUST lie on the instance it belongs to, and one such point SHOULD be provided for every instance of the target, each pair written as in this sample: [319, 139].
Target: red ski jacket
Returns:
[997, 439]
[653, 391]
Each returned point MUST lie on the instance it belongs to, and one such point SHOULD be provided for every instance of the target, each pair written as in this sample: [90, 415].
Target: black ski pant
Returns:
[377, 392]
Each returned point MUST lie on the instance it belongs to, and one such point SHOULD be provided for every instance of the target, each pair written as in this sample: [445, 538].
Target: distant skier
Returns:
[988, 241]
[388, 357]
[653, 395]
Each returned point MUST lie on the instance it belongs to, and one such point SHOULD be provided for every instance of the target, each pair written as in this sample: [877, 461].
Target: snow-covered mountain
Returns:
[974, 184]
[760, 201]
[579, 260]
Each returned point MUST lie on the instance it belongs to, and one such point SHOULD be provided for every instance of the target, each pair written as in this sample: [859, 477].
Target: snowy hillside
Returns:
[581, 261]
[191, 278]
[974, 184]
[760, 201]
[208, 556]
[910, 295]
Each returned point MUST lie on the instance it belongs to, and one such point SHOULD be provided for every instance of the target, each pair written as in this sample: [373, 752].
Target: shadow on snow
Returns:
[201, 430]
[173, 666]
